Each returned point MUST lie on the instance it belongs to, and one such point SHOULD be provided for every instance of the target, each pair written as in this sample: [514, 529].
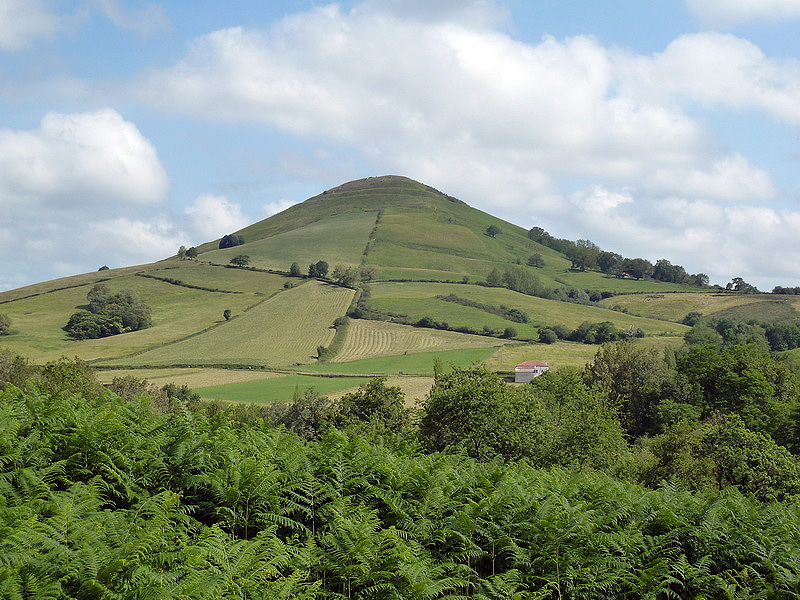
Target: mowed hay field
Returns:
[192, 377]
[282, 330]
[337, 239]
[414, 299]
[366, 339]
[224, 278]
[674, 307]
[176, 311]
[415, 364]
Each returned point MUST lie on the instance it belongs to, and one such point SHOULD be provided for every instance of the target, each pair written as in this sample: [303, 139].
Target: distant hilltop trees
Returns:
[585, 254]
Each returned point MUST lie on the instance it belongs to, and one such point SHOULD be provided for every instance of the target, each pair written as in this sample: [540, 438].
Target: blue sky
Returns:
[665, 129]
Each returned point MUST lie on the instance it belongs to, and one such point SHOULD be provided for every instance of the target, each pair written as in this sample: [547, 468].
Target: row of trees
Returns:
[585, 254]
[108, 314]
[345, 275]
[5, 324]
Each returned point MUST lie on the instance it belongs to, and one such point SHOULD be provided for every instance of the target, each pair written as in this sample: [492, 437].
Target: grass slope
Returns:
[282, 330]
[336, 239]
[674, 307]
[177, 312]
[418, 300]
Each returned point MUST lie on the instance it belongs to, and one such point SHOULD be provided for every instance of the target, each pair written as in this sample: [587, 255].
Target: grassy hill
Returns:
[424, 246]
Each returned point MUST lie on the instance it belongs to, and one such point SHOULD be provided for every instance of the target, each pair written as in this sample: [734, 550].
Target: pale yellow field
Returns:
[284, 330]
[413, 388]
[37, 322]
[192, 377]
[563, 354]
[370, 339]
[673, 307]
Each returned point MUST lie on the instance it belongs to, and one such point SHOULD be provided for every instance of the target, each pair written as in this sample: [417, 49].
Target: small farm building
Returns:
[526, 371]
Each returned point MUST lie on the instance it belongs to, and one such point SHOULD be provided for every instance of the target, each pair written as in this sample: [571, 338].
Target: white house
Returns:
[526, 371]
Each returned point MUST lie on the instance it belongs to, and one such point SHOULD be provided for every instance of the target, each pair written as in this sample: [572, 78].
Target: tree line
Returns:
[584, 254]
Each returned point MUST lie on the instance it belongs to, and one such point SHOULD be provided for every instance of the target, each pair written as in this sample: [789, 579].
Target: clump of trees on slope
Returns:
[108, 314]
[101, 496]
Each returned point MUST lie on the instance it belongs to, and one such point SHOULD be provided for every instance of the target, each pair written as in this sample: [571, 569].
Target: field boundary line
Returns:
[190, 336]
[180, 283]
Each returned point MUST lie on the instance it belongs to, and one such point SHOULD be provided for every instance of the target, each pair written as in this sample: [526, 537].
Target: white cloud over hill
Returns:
[517, 129]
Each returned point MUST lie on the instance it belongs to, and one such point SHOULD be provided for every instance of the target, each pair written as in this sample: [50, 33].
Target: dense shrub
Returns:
[108, 314]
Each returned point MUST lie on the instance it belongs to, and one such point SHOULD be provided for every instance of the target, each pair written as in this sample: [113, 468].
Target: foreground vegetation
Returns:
[577, 486]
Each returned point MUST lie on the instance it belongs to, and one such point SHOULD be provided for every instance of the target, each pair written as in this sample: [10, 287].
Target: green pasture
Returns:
[418, 364]
[280, 389]
[414, 299]
[455, 315]
[282, 330]
[177, 312]
[366, 195]
[336, 239]
[368, 339]
[224, 278]
[83, 279]
[674, 307]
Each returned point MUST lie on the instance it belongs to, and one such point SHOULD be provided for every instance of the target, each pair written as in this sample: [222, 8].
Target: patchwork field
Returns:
[37, 321]
[192, 377]
[674, 307]
[223, 278]
[418, 300]
[282, 330]
[377, 338]
[337, 239]
[278, 389]
[415, 364]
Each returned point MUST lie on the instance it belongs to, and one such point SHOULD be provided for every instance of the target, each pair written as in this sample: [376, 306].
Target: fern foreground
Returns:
[103, 498]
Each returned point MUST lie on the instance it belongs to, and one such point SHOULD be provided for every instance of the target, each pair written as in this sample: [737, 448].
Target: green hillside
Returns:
[425, 250]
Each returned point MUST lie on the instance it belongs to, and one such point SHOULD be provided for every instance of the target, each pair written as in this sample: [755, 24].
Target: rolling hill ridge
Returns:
[425, 251]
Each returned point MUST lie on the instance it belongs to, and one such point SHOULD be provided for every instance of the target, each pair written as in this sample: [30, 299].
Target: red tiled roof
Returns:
[532, 363]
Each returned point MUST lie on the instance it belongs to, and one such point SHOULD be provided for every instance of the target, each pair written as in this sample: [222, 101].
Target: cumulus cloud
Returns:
[22, 22]
[529, 131]
[79, 158]
[716, 69]
[212, 216]
[732, 12]
[592, 140]
[72, 188]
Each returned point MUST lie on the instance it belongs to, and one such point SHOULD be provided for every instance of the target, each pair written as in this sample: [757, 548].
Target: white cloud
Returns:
[594, 140]
[145, 21]
[212, 216]
[22, 22]
[79, 158]
[79, 190]
[732, 12]
[713, 69]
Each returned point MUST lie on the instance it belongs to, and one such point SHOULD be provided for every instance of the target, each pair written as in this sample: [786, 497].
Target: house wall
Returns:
[527, 375]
